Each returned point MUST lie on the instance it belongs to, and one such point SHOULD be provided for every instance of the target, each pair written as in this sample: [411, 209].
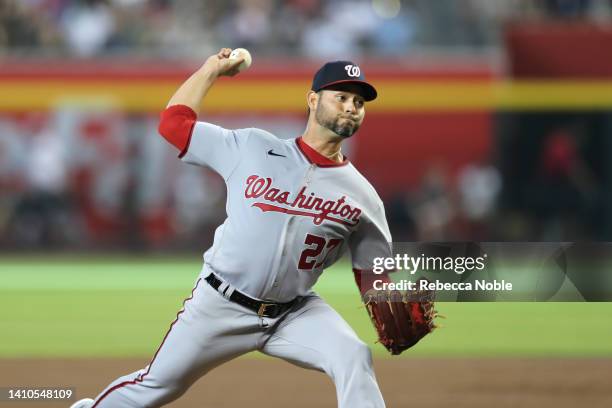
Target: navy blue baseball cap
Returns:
[336, 73]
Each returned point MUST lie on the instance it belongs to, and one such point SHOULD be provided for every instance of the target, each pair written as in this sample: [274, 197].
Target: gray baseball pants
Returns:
[210, 330]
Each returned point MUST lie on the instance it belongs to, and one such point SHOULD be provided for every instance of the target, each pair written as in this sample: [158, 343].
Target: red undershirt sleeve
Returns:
[365, 279]
[176, 125]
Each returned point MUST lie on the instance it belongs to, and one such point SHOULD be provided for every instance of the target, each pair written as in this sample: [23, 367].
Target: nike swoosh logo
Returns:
[271, 153]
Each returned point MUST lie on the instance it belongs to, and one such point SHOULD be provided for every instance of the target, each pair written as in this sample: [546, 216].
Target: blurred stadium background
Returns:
[493, 124]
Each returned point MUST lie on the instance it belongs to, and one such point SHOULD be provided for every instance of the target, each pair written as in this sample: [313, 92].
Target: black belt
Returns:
[263, 309]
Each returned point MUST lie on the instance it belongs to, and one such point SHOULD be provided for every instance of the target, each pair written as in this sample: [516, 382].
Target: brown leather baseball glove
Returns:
[401, 319]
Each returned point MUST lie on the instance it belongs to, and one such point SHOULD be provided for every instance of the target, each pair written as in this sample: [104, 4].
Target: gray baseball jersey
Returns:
[287, 218]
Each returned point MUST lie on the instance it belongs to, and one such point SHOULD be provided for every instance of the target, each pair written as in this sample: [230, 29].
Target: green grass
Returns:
[113, 307]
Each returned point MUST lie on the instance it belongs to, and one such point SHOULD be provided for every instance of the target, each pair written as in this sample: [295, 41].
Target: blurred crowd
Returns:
[449, 207]
[547, 182]
[103, 180]
[78, 180]
[312, 28]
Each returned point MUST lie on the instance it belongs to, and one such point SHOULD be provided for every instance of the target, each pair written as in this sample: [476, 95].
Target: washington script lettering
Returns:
[260, 187]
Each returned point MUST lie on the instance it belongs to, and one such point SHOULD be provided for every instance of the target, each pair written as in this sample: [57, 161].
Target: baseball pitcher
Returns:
[294, 207]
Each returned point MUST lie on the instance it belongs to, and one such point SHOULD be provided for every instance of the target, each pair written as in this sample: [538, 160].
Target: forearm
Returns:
[192, 92]
[178, 119]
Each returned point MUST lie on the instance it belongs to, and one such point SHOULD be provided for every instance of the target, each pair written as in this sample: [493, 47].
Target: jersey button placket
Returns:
[307, 177]
[289, 229]
[276, 283]
[288, 239]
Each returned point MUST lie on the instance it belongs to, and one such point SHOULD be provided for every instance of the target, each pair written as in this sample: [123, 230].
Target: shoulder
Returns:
[260, 137]
[251, 137]
[366, 189]
[255, 133]
[260, 134]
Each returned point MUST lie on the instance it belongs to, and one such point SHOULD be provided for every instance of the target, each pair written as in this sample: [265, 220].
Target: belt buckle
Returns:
[263, 309]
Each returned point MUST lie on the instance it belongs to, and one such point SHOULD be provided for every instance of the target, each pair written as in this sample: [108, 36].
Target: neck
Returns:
[326, 145]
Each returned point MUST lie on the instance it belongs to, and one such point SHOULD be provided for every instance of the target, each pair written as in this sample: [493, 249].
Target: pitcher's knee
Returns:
[362, 353]
[354, 355]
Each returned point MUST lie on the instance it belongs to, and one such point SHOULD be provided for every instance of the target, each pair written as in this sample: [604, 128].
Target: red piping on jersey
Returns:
[365, 279]
[317, 158]
[176, 126]
[317, 216]
[141, 377]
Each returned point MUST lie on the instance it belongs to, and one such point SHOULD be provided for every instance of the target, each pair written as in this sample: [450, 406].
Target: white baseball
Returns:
[242, 53]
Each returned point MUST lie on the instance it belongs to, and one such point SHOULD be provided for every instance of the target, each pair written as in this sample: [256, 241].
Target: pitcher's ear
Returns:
[312, 98]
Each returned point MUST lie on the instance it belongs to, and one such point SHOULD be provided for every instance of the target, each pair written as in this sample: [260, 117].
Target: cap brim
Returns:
[366, 90]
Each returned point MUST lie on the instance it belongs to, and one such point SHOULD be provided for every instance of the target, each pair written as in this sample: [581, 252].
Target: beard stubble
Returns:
[345, 130]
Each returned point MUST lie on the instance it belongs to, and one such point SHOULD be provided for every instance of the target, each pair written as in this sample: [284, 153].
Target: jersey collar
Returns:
[315, 157]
